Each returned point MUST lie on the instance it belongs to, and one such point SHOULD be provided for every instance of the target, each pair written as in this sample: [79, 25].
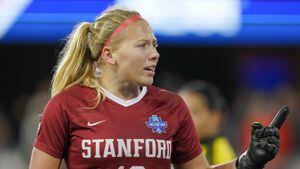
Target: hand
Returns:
[264, 146]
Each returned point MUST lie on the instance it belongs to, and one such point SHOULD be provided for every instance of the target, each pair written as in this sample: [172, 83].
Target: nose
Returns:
[155, 55]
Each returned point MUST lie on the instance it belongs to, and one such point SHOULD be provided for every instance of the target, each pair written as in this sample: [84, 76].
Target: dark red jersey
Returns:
[150, 131]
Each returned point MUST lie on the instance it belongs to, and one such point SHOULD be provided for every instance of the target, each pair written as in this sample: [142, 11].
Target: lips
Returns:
[150, 68]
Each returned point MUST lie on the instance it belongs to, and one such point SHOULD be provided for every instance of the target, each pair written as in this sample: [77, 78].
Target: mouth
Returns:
[150, 68]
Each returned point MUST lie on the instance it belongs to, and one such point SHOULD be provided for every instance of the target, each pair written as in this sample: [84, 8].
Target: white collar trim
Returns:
[125, 103]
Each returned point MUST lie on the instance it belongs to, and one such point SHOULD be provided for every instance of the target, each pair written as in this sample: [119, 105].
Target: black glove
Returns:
[264, 145]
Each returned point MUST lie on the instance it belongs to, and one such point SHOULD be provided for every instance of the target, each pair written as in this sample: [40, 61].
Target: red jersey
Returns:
[150, 131]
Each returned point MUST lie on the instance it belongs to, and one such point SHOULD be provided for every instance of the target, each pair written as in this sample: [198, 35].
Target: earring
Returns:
[98, 72]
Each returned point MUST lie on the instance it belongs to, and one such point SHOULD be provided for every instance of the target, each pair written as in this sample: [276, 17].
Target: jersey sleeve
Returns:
[186, 145]
[52, 135]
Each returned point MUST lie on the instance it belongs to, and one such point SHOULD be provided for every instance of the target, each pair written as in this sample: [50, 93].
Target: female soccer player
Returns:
[104, 113]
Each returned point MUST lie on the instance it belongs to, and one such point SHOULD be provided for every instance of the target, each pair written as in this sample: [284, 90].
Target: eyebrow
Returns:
[154, 40]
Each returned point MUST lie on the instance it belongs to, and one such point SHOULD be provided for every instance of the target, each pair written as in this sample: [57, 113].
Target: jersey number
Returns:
[133, 167]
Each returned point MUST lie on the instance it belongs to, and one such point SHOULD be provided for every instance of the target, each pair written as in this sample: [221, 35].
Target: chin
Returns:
[146, 82]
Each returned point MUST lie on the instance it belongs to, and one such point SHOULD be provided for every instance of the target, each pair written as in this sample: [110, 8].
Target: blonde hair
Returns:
[83, 48]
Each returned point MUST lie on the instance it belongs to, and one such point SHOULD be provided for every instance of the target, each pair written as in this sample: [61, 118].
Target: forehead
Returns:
[138, 30]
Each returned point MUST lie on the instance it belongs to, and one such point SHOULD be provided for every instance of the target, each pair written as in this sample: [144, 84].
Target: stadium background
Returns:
[249, 48]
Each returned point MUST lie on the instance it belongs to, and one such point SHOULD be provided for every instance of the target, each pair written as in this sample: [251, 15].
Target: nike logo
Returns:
[94, 124]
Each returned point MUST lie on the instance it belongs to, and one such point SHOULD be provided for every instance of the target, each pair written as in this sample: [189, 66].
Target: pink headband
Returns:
[123, 25]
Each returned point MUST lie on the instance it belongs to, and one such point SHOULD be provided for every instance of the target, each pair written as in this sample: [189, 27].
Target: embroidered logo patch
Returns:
[157, 124]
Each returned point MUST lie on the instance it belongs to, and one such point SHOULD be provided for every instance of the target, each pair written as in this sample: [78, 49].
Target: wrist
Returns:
[245, 162]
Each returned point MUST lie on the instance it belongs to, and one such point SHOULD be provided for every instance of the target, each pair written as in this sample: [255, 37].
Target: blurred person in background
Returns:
[31, 117]
[102, 98]
[209, 111]
[10, 156]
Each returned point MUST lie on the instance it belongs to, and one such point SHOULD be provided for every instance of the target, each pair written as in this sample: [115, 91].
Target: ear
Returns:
[107, 56]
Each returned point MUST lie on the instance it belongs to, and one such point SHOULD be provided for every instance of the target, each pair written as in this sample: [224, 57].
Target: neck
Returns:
[122, 89]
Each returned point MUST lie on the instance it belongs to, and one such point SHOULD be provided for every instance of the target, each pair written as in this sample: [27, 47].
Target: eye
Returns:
[141, 45]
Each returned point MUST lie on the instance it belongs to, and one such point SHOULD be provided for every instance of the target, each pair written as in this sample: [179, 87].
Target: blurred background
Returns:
[250, 49]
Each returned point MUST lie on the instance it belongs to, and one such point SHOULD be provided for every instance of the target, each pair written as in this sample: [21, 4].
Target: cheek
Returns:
[132, 61]
[126, 61]
[131, 67]
[136, 62]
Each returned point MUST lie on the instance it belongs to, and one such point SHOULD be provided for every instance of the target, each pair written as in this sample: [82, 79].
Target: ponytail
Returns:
[73, 65]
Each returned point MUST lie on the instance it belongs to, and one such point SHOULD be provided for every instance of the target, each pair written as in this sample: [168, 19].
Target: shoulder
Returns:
[222, 146]
[222, 140]
[163, 94]
[78, 91]
[65, 103]
[73, 95]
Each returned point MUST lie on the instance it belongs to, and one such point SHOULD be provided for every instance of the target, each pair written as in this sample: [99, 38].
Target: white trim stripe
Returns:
[125, 103]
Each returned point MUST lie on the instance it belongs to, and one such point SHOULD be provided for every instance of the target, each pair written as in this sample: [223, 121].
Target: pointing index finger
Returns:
[280, 117]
